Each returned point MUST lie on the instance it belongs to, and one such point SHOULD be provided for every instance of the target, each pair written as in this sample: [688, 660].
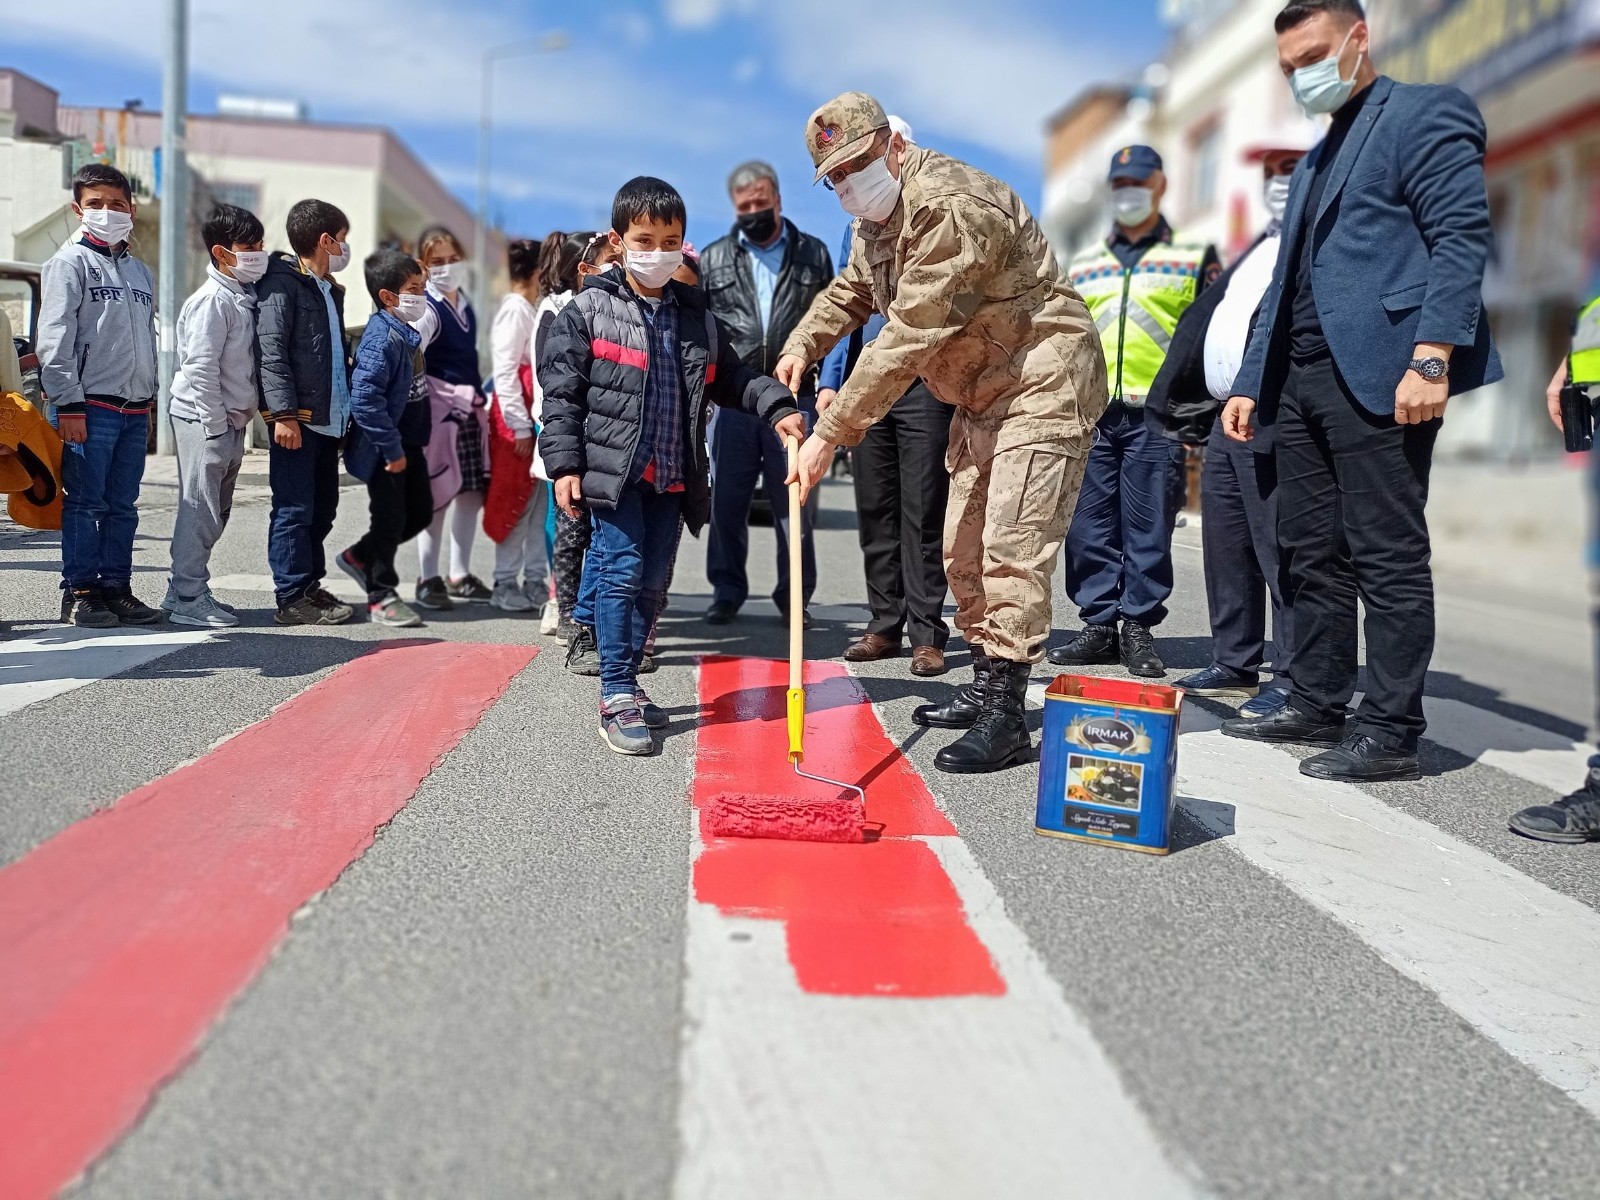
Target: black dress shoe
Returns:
[721, 613]
[1095, 645]
[1286, 725]
[1362, 758]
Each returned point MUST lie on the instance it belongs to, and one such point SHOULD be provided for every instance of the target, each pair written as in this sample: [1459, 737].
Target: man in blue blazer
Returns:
[1373, 321]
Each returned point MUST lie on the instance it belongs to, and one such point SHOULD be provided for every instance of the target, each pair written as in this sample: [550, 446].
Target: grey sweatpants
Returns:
[208, 467]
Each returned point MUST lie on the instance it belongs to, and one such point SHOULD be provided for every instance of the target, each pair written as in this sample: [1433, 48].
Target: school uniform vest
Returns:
[1135, 309]
[453, 354]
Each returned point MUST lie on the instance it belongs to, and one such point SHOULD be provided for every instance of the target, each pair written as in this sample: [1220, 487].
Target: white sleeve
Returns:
[509, 339]
[428, 327]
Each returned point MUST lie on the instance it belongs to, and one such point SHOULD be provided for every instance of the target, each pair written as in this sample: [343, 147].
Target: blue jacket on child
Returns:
[381, 430]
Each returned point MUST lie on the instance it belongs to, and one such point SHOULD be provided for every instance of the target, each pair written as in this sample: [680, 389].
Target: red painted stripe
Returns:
[612, 352]
[881, 919]
[123, 937]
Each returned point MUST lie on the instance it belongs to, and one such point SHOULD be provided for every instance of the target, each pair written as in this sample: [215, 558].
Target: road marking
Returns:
[123, 937]
[1519, 961]
[1526, 751]
[789, 1091]
[339, 584]
[44, 665]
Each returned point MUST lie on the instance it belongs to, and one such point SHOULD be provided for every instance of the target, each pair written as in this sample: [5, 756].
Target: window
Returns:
[1205, 154]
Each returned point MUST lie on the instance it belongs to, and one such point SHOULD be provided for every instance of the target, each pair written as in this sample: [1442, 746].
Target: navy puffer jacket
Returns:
[592, 371]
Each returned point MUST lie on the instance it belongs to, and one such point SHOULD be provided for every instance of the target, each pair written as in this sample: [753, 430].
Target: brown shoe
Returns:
[927, 660]
[871, 648]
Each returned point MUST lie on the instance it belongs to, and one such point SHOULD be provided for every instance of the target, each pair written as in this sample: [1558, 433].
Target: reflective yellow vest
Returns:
[1585, 361]
[1137, 309]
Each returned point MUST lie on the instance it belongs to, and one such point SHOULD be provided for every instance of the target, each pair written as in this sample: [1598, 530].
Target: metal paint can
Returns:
[1108, 762]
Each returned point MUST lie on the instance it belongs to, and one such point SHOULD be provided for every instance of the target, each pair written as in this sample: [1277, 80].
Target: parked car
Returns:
[19, 296]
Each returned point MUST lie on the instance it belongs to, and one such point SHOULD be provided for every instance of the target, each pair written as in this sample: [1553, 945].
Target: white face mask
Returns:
[409, 307]
[341, 260]
[653, 268]
[1275, 194]
[448, 277]
[107, 225]
[1133, 205]
[249, 265]
[870, 193]
[1320, 88]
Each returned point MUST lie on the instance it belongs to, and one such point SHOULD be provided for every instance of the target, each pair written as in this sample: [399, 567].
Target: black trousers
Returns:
[400, 506]
[1239, 531]
[1352, 487]
[572, 544]
[901, 487]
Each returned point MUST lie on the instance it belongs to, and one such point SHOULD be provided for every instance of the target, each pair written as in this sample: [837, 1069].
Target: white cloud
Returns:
[701, 14]
[747, 70]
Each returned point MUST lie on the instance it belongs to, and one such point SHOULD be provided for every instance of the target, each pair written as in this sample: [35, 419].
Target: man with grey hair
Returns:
[760, 279]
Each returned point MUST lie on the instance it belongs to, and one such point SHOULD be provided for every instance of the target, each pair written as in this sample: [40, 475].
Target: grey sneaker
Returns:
[431, 594]
[566, 630]
[583, 654]
[550, 619]
[622, 727]
[508, 597]
[653, 715]
[334, 610]
[223, 605]
[202, 611]
[469, 588]
[393, 612]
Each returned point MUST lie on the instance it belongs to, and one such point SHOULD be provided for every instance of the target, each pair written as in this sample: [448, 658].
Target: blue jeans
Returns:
[625, 579]
[743, 449]
[1119, 548]
[100, 481]
[305, 500]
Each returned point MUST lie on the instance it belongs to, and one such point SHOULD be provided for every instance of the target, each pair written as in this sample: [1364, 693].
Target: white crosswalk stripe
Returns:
[43, 665]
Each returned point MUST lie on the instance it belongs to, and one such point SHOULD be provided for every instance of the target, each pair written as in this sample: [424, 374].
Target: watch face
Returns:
[1431, 368]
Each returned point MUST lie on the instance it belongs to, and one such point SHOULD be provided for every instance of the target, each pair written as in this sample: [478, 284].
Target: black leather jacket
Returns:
[728, 278]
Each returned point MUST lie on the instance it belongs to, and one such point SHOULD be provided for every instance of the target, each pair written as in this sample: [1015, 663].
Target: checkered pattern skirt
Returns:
[470, 453]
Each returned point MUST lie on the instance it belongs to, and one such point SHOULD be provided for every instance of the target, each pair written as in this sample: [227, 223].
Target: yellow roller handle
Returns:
[797, 694]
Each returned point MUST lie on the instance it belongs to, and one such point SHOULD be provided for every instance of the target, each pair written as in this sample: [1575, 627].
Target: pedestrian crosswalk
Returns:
[856, 1020]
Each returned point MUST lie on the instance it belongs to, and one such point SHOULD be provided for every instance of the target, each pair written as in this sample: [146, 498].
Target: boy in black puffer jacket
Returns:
[626, 371]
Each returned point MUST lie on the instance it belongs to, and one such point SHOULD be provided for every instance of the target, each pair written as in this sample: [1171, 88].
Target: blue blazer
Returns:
[1400, 240]
[379, 390]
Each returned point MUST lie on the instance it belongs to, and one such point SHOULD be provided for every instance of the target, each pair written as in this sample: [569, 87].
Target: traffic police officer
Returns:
[1119, 550]
[1574, 818]
[975, 306]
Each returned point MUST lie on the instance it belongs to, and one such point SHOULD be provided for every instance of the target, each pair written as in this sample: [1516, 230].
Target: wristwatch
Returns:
[1429, 368]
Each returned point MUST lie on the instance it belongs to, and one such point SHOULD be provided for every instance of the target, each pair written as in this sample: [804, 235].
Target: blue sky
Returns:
[684, 89]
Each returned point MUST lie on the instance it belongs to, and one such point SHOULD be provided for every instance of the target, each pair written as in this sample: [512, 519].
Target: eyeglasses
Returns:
[858, 164]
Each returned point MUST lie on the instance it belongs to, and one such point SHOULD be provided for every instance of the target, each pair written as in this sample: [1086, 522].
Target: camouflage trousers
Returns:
[1003, 530]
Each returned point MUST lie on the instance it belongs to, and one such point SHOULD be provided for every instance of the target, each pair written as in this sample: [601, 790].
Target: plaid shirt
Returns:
[658, 459]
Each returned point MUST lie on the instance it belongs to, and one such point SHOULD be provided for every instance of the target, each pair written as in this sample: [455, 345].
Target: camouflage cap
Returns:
[842, 129]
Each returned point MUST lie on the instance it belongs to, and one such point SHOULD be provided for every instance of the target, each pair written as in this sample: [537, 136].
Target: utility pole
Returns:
[174, 198]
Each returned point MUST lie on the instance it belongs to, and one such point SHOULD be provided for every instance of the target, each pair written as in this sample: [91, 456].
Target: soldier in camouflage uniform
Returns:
[976, 308]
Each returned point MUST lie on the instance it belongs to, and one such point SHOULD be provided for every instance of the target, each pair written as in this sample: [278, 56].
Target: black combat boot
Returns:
[963, 708]
[1095, 646]
[999, 738]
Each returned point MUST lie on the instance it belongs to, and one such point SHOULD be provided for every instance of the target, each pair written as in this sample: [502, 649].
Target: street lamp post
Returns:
[174, 209]
[548, 43]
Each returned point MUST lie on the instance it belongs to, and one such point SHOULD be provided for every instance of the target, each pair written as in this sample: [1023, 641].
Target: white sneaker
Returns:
[509, 597]
[202, 611]
[550, 620]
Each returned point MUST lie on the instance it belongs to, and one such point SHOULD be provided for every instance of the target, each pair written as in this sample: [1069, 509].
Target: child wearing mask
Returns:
[97, 364]
[458, 454]
[514, 514]
[303, 362]
[214, 395]
[626, 370]
[392, 423]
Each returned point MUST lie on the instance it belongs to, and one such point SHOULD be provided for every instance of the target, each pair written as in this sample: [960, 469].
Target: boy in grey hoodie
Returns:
[214, 395]
[97, 365]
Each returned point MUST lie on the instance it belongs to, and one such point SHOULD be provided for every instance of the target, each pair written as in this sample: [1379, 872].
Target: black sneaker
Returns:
[431, 594]
[1572, 819]
[647, 664]
[721, 613]
[1095, 646]
[303, 611]
[86, 608]
[583, 654]
[334, 610]
[128, 608]
[470, 589]
[355, 568]
[1139, 651]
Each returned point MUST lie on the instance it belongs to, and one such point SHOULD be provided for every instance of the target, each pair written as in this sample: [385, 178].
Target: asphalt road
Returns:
[515, 990]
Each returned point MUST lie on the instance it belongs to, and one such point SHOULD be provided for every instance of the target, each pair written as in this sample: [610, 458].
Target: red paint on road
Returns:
[880, 919]
[123, 937]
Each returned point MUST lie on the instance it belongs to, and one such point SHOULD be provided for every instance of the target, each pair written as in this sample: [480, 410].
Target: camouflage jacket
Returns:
[975, 307]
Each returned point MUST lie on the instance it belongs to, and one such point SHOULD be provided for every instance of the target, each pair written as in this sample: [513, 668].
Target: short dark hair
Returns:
[309, 220]
[522, 259]
[99, 175]
[388, 270]
[646, 198]
[228, 225]
[1298, 11]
